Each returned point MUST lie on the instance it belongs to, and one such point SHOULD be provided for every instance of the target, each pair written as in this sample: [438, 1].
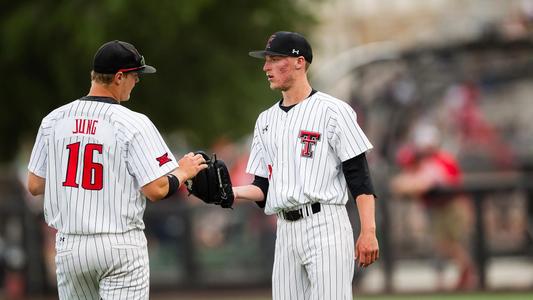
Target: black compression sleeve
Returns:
[358, 176]
[173, 184]
[262, 183]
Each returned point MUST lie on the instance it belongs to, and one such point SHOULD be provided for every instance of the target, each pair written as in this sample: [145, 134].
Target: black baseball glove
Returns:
[213, 184]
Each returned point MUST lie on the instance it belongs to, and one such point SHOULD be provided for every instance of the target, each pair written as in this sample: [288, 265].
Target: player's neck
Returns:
[99, 90]
[296, 94]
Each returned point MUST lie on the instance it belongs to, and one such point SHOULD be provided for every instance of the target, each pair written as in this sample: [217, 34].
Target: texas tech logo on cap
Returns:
[269, 42]
[285, 43]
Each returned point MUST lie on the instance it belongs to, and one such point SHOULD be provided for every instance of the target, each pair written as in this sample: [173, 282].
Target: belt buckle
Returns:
[293, 215]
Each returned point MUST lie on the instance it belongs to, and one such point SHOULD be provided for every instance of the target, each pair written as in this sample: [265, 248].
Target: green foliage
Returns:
[206, 85]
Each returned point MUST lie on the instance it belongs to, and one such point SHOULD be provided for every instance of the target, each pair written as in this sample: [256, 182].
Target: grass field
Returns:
[470, 296]
[477, 296]
[262, 296]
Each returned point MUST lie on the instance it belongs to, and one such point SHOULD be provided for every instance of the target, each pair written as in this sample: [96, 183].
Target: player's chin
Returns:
[274, 86]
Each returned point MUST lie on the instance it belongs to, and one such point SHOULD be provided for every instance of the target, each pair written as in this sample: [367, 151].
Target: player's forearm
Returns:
[157, 189]
[248, 192]
[366, 209]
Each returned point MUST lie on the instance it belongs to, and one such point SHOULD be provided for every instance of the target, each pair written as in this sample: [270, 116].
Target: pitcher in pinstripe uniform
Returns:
[96, 161]
[306, 150]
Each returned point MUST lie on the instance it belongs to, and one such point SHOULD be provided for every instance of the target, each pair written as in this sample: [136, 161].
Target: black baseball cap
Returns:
[117, 56]
[285, 43]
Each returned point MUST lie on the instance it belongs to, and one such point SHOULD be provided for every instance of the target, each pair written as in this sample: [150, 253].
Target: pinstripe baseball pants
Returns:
[102, 266]
[314, 256]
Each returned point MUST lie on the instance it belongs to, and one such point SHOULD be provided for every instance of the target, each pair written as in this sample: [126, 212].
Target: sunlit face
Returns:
[280, 71]
[126, 85]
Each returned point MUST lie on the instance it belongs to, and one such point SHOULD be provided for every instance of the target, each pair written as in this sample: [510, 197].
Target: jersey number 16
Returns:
[92, 175]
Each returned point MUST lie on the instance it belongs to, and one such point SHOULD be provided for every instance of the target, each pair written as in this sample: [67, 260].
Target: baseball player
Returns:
[93, 160]
[306, 150]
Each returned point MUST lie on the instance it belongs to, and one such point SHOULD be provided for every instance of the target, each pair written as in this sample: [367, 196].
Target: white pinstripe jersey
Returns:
[301, 151]
[95, 156]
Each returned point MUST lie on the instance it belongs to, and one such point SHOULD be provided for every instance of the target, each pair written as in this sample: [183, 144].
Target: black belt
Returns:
[297, 214]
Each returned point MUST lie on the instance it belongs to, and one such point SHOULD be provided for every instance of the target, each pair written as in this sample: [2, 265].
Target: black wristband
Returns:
[173, 185]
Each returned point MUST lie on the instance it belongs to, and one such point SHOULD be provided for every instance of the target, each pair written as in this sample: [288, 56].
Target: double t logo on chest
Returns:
[309, 139]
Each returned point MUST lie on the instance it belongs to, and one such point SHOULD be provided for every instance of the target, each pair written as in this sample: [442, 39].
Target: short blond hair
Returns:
[102, 78]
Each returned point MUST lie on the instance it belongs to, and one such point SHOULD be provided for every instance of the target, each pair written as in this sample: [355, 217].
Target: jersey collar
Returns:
[287, 108]
[99, 99]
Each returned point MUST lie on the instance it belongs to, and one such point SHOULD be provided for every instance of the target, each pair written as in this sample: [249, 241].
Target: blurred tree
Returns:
[206, 85]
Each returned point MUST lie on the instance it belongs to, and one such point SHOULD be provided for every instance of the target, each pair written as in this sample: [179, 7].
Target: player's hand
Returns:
[366, 249]
[190, 164]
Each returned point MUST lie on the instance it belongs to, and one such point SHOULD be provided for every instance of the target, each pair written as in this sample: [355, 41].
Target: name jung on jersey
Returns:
[85, 126]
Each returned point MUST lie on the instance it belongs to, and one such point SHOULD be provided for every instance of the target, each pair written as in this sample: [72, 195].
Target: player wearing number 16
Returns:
[96, 162]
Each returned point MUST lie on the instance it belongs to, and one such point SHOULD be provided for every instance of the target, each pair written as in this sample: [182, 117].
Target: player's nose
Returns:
[266, 66]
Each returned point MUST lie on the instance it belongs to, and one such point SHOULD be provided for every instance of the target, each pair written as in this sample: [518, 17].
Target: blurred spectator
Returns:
[426, 168]
[476, 134]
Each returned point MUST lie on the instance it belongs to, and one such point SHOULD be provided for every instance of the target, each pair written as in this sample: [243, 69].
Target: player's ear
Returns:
[119, 76]
[300, 63]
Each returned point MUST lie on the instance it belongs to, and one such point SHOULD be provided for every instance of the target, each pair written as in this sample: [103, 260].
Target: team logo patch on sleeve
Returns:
[163, 159]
